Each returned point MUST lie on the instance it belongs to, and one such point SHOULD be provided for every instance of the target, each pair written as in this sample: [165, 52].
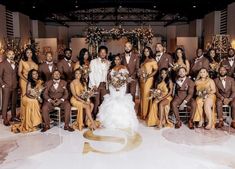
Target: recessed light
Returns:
[76, 6]
[194, 6]
[33, 6]
[154, 6]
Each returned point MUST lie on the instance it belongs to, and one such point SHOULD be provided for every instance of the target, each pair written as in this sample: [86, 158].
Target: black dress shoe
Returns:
[178, 124]
[70, 129]
[15, 119]
[220, 124]
[190, 125]
[6, 123]
[45, 129]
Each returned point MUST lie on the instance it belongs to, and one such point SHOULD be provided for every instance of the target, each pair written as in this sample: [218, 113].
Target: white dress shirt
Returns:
[12, 64]
[50, 66]
[158, 57]
[128, 57]
[231, 61]
[223, 80]
[56, 84]
[99, 71]
[180, 82]
[68, 61]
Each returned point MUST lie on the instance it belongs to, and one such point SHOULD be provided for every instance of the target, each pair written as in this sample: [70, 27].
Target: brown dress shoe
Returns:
[178, 124]
[70, 129]
[220, 124]
[44, 129]
[233, 124]
[6, 123]
[190, 125]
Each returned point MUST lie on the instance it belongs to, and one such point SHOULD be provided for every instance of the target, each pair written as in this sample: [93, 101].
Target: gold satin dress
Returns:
[200, 86]
[148, 67]
[153, 117]
[31, 116]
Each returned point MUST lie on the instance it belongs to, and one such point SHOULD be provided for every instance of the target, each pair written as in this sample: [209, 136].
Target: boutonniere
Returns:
[166, 59]
[64, 87]
[134, 60]
[186, 87]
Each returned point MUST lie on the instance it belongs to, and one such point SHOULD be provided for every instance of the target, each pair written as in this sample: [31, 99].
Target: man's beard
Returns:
[68, 57]
[230, 56]
[223, 75]
[183, 76]
[128, 51]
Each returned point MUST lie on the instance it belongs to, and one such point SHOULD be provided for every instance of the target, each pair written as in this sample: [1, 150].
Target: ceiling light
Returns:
[33, 6]
[154, 6]
[194, 6]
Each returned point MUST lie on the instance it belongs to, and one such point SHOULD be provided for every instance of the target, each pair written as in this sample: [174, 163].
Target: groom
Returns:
[132, 62]
[99, 68]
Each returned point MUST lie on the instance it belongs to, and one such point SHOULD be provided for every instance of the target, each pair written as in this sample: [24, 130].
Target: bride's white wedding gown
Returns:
[117, 110]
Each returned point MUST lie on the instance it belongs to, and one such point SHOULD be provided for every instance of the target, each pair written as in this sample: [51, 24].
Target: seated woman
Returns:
[77, 88]
[159, 110]
[205, 101]
[31, 116]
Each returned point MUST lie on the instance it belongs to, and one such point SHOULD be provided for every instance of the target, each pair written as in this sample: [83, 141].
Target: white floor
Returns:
[150, 148]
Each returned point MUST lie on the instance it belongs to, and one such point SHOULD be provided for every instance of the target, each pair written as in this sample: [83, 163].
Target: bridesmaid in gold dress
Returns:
[180, 60]
[83, 59]
[205, 101]
[160, 107]
[28, 62]
[31, 117]
[77, 88]
[148, 67]
[214, 63]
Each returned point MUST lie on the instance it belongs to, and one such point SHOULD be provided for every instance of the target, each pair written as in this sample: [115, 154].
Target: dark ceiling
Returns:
[81, 10]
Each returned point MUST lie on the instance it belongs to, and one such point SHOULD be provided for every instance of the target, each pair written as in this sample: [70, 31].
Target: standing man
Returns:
[184, 92]
[198, 63]
[163, 59]
[229, 63]
[8, 83]
[65, 66]
[47, 68]
[99, 68]
[131, 60]
[56, 95]
[225, 92]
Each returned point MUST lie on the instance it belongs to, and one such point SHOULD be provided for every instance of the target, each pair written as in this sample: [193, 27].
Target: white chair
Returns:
[184, 113]
[55, 116]
[227, 114]
[73, 116]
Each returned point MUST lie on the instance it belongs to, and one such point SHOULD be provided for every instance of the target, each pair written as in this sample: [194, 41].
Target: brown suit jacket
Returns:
[230, 69]
[164, 61]
[201, 63]
[8, 76]
[65, 70]
[133, 65]
[44, 71]
[60, 93]
[228, 91]
[186, 91]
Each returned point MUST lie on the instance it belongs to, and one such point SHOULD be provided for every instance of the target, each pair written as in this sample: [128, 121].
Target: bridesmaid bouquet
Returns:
[87, 94]
[203, 93]
[175, 66]
[143, 75]
[118, 79]
[155, 93]
[85, 72]
[36, 93]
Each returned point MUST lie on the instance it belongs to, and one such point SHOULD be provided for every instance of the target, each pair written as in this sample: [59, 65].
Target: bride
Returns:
[117, 110]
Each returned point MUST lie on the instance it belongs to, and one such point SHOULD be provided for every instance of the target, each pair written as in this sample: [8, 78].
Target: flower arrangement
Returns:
[155, 93]
[87, 94]
[143, 75]
[118, 79]
[202, 93]
[94, 36]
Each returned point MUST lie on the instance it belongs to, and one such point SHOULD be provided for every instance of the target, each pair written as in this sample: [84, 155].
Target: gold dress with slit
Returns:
[199, 116]
[31, 116]
[145, 86]
[153, 117]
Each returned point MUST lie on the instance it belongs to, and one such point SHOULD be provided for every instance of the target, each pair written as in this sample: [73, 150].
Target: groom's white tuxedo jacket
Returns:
[99, 71]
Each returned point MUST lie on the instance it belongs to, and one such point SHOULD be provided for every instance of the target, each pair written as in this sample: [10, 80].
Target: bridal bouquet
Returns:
[118, 79]
[155, 93]
[87, 94]
[143, 75]
[36, 93]
[203, 93]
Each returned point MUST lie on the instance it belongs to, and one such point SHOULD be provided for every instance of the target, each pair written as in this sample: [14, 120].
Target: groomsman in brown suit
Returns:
[56, 95]
[163, 59]
[132, 61]
[225, 92]
[198, 63]
[8, 83]
[65, 66]
[47, 68]
[184, 91]
[229, 63]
